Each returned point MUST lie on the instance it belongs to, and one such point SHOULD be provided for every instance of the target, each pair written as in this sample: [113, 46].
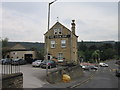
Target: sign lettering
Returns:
[59, 36]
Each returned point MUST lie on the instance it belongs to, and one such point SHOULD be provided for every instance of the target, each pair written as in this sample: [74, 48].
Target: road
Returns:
[104, 78]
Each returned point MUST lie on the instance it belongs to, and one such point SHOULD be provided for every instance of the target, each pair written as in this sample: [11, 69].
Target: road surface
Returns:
[104, 78]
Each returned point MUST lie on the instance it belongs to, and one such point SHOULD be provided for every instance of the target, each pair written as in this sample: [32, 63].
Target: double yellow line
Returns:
[83, 82]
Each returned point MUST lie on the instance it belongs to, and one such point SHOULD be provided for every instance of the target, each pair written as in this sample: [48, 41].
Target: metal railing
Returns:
[10, 68]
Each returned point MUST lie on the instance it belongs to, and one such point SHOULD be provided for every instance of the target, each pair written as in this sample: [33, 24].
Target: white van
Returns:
[103, 64]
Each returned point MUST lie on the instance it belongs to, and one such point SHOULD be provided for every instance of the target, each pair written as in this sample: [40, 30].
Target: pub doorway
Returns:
[28, 57]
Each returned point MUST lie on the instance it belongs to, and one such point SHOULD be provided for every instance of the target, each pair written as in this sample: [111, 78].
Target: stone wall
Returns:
[56, 76]
[12, 80]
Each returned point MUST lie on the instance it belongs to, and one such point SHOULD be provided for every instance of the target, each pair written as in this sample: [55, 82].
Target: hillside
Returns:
[97, 43]
[27, 45]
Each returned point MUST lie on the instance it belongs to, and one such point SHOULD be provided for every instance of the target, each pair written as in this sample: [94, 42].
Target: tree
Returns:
[88, 55]
[82, 46]
[100, 51]
[108, 53]
[81, 55]
[93, 47]
[106, 46]
[5, 49]
[117, 49]
[96, 56]
[5, 42]
[40, 54]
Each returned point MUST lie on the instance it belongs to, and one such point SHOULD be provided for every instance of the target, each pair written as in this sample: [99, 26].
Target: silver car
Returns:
[37, 63]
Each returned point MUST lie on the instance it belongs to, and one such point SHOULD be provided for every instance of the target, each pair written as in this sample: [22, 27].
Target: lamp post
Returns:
[48, 30]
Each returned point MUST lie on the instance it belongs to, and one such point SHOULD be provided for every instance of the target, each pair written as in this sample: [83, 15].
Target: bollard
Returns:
[66, 78]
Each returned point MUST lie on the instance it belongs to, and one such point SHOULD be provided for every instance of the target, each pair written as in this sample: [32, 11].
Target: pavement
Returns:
[33, 77]
[73, 83]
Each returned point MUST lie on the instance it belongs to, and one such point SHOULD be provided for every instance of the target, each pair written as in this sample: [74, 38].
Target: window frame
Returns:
[52, 43]
[63, 43]
[60, 56]
[57, 31]
[60, 30]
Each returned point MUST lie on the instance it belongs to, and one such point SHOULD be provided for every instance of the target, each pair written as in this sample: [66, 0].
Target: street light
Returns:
[49, 12]
[48, 30]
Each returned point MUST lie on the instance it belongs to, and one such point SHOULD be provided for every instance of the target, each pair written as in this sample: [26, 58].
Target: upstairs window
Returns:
[63, 43]
[58, 31]
[55, 31]
[52, 44]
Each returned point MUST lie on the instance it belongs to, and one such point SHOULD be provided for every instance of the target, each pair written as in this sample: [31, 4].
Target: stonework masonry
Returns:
[55, 36]
[12, 80]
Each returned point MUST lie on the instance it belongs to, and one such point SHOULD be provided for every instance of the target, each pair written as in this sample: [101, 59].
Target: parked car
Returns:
[103, 64]
[1, 60]
[37, 63]
[6, 61]
[18, 62]
[50, 64]
[15, 62]
[118, 72]
[93, 67]
[22, 62]
[85, 67]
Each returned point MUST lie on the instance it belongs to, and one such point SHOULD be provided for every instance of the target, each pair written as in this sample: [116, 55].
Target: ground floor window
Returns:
[60, 56]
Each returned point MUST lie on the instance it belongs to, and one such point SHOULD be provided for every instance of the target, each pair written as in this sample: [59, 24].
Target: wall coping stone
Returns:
[10, 76]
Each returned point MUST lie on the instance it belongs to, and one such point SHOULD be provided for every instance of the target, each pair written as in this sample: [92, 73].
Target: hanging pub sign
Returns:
[58, 36]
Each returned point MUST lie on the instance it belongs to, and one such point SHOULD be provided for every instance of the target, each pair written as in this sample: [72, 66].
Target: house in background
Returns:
[20, 52]
[61, 43]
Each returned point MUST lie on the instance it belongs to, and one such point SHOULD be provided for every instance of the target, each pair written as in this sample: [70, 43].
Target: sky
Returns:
[27, 21]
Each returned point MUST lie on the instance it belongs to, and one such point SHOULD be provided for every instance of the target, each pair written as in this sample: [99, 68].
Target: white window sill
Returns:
[63, 47]
[52, 47]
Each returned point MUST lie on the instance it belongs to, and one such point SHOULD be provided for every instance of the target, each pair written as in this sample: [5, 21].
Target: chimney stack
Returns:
[73, 26]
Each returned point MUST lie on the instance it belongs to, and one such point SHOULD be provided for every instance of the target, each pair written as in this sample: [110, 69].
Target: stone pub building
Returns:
[61, 43]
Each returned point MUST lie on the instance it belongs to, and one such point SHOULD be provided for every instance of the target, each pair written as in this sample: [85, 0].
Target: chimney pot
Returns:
[73, 26]
[73, 21]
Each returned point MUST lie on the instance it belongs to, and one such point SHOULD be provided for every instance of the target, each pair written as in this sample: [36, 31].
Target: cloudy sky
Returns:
[27, 21]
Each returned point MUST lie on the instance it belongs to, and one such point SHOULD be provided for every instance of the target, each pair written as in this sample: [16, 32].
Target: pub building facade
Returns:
[61, 43]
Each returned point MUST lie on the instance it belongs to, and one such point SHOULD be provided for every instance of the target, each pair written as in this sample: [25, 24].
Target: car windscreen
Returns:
[49, 61]
[38, 60]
